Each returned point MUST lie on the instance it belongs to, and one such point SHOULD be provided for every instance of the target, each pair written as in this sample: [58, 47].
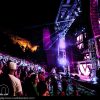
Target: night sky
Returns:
[26, 20]
[26, 14]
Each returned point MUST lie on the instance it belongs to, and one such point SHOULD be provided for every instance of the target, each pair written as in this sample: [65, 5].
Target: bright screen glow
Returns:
[80, 38]
[62, 61]
[84, 69]
[62, 44]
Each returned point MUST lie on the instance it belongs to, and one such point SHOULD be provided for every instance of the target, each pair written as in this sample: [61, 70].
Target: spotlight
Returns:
[79, 10]
[76, 13]
[94, 80]
[61, 16]
[57, 24]
[62, 61]
[62, 43]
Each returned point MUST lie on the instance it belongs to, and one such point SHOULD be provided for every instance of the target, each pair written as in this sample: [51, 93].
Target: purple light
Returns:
[99, 21]
[94, 80]
[46, 38]
[62, 44]
[62, 61]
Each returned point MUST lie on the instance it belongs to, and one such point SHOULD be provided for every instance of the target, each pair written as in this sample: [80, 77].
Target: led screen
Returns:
[85, 71]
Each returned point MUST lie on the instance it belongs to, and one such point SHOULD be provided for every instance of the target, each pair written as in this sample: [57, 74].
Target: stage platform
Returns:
[87, 84]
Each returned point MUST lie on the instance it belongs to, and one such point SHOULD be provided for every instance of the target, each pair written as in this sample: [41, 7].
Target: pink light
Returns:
[99, 20]
[80, 38]
[62, 61]
[46, 38]
[62, 44]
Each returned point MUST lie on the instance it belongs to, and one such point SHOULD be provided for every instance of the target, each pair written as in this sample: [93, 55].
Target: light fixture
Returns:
[62, 44]
[62, 61]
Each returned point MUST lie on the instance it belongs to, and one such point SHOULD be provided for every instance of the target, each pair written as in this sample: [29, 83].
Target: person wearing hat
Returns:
[12, 67]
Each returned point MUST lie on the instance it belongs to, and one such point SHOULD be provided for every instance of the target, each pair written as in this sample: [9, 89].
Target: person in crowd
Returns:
[23, 73]
[46, 92]
[42, 86]
[42, 89]
[75, 90]
[12, 67]
[55, 85]
[41, 76]
[26, 85]
[31, 85]
[1, 66]
[53, 71]
[64, 85]
[62, 94]
[35, 81]
[18, 72]
[8, 78]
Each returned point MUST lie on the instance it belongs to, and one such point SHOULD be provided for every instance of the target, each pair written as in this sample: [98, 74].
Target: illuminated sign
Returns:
[84, 69]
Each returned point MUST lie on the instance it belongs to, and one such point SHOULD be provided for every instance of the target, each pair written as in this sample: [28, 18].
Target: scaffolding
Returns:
[67, 14]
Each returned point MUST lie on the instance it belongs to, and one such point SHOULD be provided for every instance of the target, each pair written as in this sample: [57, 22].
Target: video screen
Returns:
[85, 71]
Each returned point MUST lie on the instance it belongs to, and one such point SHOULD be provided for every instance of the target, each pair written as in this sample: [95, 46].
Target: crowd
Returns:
[32, 81]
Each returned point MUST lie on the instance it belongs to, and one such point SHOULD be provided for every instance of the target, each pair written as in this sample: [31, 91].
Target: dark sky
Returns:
[27, 19]
[18, 18]
[25, 14]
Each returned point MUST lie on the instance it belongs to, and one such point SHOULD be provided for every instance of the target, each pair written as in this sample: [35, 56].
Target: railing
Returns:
[83, 90]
